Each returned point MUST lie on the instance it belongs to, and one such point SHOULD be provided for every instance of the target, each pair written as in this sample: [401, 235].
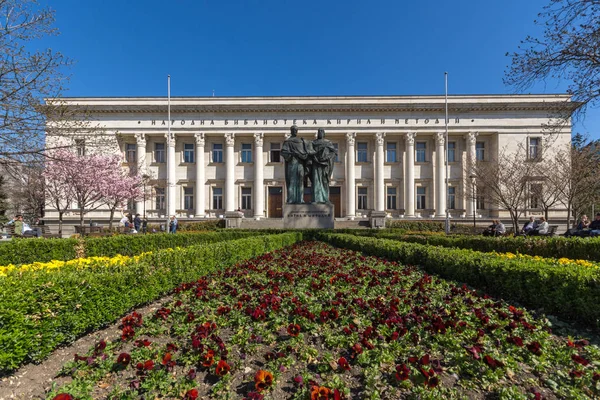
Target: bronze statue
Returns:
[295, 151]
[322, 159]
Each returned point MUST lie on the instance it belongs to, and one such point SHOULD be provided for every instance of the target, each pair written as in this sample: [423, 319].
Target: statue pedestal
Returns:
[308, 216]
[377, 219]
[233, 219]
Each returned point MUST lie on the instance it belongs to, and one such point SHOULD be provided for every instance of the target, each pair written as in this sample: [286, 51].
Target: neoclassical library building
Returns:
[220, 154]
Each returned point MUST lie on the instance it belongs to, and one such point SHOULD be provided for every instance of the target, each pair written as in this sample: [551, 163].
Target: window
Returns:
[246, 198]
[390, 155]
[217, 153]
[361, 154]
[421, 149]
[80, 146]
[188, 152]
[217, 198]
[337, 152]
[160, 198]
[362, 198]
[188, 198]
[534, 148]
[480, 202]
[275, 152]
[246, 152]
[130, 153]
[159, 152]
[391, 198]
[535, 191]
[421, 198]
[451, 198]
[130, 204]
[451, 152]
[480, 151]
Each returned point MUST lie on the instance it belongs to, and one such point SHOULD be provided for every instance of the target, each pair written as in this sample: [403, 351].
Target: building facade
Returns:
[219, 154]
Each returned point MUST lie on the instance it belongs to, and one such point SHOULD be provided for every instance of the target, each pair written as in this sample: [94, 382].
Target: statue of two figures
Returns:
[305, 159]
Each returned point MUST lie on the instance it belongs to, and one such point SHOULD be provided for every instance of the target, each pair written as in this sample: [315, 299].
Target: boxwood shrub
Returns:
[42, 310]
[25, 251]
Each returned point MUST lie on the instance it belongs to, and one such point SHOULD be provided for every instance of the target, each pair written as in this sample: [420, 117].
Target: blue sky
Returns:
[281, 47]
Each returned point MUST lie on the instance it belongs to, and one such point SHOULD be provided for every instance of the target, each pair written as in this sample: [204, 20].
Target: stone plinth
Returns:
[233, 219]
[377, 219]
[308, 216]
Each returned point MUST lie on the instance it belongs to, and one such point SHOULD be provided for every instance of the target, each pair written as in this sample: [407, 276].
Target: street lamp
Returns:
[474, 203]
[145, 222]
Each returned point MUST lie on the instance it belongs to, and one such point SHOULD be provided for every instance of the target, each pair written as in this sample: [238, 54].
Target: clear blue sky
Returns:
[284, 47]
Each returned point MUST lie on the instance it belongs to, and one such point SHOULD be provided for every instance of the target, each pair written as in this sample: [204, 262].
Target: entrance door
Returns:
[275, 202]
[335, 197]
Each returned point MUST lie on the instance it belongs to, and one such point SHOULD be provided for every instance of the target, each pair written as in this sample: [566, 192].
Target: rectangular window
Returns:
[246, 152]
[421, 198]
[188, 198]
[480, 202]
[535, 191]
[337, 152]
[130, 153]
[362, 198]
[159, 152]
[217, 198]
[188, 152]
[217, 153]
[480, 151]
[80, 146]
[361, 152]
[390, 155]
[246, 198]
[391, 198]
[451, 198]
[160, 198]
[275, 153]
[534, 148]
[421, 149]
[451, 152]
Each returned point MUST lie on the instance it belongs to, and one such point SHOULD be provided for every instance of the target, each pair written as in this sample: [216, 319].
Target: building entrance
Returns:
[335, 197]
[275, 202]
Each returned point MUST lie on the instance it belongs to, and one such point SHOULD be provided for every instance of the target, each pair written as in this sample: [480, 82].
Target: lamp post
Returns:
[473, 177]
[145, 222]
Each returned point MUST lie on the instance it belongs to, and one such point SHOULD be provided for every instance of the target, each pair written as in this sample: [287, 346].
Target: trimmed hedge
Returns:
[26, 251]
[428, 226]
[570, 292]
[42, 310]
[556, 247]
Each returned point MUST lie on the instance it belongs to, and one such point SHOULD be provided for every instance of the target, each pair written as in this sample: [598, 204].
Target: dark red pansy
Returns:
[343, 363]
[535, 348]
[492, 362]
[596, 376]
[576, 373]
[63, 396]
[269, 356]
[293, 330]
[324, 316]
[394, 336]
[424, 360]
[337, 395]
[580, 360]
[191, 375]
[146, 365]
[517, 341]
[356, 350]
[402, 372]
[100, 346]
[475, 350]
[191, 394]
[433, 381]
[254, 396]
[208, 358]
[413, 360]
[77, 357]
[172, 347]
[333, 314]
[142, 343]
[124, 359]
[298, 380]
[222, 368]
[128, 332]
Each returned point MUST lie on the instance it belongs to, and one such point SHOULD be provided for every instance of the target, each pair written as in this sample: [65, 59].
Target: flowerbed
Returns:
[41, 309]
[315, 322]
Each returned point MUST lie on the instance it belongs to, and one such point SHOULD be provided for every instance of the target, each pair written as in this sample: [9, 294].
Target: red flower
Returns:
[142, 343]
[343, 363]
[576, 373]
[424, 360]
[293, 330]
[596, 376]
[402, 372]
[146, 365]
[128, 332]
[191, 394]
[208, 358]
[493, 363]
[356, 350]
[475, 350]
[166, 359]
[171, 347]
[333, 314]
[535, 348]
[324, 316]
[191, 375]
[263, 380]
[433, 381]
[258, 315]
[517, 341]
[222, 368]
[320, 393]
[254, 396]
[63, 396]
[100, 346]
[124, 359]
[580, 360]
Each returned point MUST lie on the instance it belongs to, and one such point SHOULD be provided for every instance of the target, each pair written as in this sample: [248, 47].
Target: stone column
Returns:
[259, 192]
[171, 165]
[440, 175]
[409, 174]
[471, 202]
[200, 179]
[230, 173]
[350, 176]
[379, 173]
[141, 166]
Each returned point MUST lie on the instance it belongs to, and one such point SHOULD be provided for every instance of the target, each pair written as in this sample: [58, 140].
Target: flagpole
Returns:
[169, 199]
[447, 149]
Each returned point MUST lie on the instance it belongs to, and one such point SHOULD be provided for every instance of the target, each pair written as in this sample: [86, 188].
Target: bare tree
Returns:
[545, 193]
[569, 49]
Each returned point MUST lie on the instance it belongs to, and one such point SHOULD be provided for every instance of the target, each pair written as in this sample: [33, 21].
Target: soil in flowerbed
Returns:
[316, 322]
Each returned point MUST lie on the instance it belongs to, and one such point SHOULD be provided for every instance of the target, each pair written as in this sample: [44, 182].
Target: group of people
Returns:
[23, 228]
[133, 223]
[497, 228]
[531, 228]
[585, 227]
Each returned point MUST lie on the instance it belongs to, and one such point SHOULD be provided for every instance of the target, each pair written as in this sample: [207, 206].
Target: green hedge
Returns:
[428, 226]
[42, 310]
[570, 292]
[25, 251]
[556, 247]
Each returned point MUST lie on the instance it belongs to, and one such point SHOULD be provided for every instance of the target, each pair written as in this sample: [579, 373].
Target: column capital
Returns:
[199, 139]
[410, 138]
[471, 137]
[350, 138]
[229, 139]
[258, 139]
[379, 136]
[140, 139]
[440, 138]
[170, 139]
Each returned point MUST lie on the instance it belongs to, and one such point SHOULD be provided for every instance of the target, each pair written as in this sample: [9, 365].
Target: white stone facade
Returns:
[223, 152]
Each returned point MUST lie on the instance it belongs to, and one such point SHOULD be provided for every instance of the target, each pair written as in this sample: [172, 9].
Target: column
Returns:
[470, 195]
[351, 180]
[409, 174]
[259, 192]
[140, 139]
[230, 169]
[379, 173]
[171, 165]
[200, 179]
[440, 175]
